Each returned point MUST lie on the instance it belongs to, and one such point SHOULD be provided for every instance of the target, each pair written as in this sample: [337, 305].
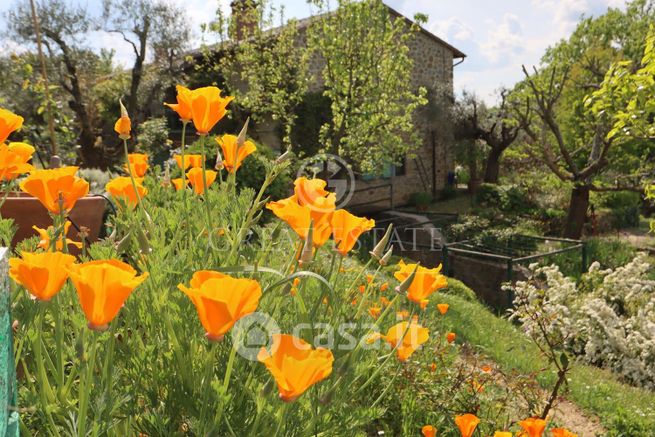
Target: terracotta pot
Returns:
[27, 211]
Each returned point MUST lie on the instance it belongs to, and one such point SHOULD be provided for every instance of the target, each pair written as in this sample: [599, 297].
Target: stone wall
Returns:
[433, 70]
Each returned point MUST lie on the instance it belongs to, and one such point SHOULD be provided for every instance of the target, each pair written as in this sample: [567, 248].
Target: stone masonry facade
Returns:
[427, 171]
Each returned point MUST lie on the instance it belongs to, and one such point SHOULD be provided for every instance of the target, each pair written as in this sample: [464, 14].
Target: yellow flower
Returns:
[207, 108]
[183, 107]
[533, 426]
[346, 229]
[103, 286]
[9, 122]
[467, 424]
[46, 234]
[42, 274]
[189, 161]
[233, 155]
[49, 185]
[121, 188]
[295, 366]
[502, 434]
[406, 337]
[138, 163]
[14, 160]
[428, 431]
[375, 311]
[426, 281]
[221, 300]
[195, 178]
[123, 125]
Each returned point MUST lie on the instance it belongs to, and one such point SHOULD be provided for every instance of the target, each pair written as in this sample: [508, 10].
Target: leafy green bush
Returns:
[488, 194]
[421, 200]
[458, 288]
[153, 140]
[624, 208]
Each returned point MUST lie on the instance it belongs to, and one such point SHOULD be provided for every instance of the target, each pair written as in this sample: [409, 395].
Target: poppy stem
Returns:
[184, 186]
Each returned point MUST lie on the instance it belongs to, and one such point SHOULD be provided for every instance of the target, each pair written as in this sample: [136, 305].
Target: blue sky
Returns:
[498, 36]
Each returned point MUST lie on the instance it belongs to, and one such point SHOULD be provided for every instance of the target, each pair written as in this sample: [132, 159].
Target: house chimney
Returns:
[245, 18]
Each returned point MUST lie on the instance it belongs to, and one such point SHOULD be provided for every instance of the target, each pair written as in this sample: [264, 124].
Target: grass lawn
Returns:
[623, 410]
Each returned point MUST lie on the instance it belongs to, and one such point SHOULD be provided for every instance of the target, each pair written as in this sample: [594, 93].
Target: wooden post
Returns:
[8, 411]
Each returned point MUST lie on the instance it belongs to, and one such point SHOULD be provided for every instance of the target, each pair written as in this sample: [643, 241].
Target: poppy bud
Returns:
[378, 250]
[219, 161]
[267, 388]
[308, 248]
[385, 259]
[404, 286]
[284, 157]
[167, 174]
[241, 139]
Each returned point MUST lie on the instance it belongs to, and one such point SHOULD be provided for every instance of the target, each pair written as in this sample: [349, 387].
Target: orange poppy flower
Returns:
[46, 234]
[121, 188]
[183, 107]
[375, 311]
[14, 160]
[384, 286]
[295, 366]
[189, 161]
[429, 431]
[103, 286]
[384, 301]
[299, 216]
[296, 282]
[562, 432]
[450, 337]
[195, 178]
[502, 434]
[207, 108]
[424, 304]
[139, 164]
[443, 308]
[533, 426]
[402, 315]
[346, 229]
[467, 424]
[309, 191]
[42, 274]
[48, 185]
[362, 289]
[9, 122]
[179, 183]
[123, 125]
[433, 367]
[221, 300]
[407, 337]
[233, 155]
[486, 368]
[426, 281]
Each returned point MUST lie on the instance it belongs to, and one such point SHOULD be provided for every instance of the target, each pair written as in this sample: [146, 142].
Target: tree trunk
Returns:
[492, 169]
[577, 212]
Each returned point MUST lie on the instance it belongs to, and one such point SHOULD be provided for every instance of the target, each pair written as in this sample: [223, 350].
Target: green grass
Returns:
[623, 410]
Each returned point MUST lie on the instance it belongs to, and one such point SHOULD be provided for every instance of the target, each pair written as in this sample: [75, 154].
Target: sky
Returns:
[498, 36]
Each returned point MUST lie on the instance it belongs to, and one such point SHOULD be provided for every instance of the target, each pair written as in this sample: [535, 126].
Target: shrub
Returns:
[458, 288]
[421, 200]
[607, 320]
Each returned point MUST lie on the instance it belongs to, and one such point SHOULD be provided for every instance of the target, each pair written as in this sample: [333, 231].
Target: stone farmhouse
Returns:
[432, 166]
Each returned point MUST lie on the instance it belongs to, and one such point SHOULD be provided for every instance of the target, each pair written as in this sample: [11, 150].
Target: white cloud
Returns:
[505, 40]
[451, 29]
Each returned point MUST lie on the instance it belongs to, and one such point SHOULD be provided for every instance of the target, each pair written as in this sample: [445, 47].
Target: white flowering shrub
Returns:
[607, 319]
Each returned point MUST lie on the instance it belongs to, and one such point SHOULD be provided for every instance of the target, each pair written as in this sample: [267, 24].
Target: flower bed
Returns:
[154, 330]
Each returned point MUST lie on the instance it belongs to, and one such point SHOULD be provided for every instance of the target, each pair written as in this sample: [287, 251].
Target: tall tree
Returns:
[496, 126]
[567, 135]
[367, 79]
[62, 27]
[147, 25]
[261, 61]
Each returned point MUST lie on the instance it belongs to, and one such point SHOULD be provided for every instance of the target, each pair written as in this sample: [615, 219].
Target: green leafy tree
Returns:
[262, 63]
[566, 135]
[367, 79]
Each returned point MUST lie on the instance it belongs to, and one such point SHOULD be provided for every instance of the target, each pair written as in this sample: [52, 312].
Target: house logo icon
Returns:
[335, 171]
[252, 333]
